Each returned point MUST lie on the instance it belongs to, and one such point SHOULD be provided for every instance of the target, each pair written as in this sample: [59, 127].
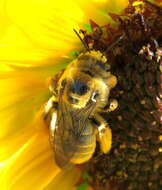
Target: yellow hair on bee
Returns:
[138, 6]
[137, 3]
[96, 54]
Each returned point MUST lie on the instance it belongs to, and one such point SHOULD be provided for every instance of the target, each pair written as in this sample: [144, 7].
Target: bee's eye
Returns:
[79, 88]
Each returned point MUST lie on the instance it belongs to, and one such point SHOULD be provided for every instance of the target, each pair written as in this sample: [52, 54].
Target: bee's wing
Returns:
[70, 125]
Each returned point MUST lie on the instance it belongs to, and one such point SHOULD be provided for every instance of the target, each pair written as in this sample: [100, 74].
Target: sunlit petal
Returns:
[31, 166]
[65, 180]
[36, 37]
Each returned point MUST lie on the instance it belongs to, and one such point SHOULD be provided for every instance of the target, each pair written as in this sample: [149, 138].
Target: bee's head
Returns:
[78, 92]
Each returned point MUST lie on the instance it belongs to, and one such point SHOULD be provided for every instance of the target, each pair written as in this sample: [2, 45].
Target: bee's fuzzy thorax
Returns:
[96, 54]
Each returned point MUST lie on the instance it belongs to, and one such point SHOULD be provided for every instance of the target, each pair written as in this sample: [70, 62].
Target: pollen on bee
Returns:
[137, 3]
[138, 6]
[98, 55]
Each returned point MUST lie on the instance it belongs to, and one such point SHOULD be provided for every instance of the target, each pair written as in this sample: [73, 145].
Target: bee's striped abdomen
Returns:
[86, 145]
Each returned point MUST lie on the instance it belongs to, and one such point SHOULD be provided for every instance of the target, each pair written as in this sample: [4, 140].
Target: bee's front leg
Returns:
[104, 135]
[50, 116]
[113, 104]
[53, 81]
[111, 81]
[49, 109]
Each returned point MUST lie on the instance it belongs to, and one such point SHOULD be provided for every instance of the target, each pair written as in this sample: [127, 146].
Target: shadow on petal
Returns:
[66, 180]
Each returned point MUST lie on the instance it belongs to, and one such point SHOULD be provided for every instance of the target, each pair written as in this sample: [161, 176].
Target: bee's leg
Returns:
[111, 81]
[49, 109]
[50, 116]
[52, 103]
[104, 135]
[113, 104]
[52, 82]
[52, 125]
[159, 54]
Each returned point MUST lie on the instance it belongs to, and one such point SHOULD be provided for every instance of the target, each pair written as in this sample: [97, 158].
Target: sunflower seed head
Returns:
[135, 161]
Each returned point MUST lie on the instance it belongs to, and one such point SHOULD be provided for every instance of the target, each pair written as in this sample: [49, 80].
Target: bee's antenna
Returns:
[82, 40]
[114, 43]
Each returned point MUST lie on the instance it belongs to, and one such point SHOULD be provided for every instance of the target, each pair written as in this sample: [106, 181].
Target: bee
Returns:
[79, 94]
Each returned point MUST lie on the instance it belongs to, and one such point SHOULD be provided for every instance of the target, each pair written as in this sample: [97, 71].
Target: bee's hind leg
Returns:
[104, 135]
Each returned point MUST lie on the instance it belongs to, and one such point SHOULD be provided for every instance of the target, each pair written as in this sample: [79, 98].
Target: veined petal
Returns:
[22, 94]
[65, 180]
[35, 37]
[39, 29]
[23, 91]
[32, 166]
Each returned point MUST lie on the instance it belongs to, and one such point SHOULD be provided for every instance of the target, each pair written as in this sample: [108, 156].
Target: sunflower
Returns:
[37, 40]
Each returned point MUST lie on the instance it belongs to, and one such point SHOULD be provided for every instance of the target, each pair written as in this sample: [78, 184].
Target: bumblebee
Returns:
[79, 94]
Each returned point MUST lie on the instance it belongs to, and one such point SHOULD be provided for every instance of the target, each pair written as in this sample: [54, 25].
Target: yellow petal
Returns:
[32, 166]
[23, 92]
[35, 37]
[20, 99]
[66, 180]
[29, 168]
[116, 6]
[39, 29]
